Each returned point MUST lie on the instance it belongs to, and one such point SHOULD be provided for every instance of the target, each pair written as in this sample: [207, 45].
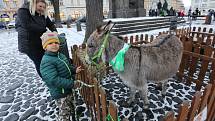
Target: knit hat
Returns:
[49, 37]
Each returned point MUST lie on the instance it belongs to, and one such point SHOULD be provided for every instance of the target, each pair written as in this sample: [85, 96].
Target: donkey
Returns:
[156, 61]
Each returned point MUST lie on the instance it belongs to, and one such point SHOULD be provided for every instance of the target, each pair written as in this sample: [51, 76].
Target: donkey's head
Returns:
[97, 42]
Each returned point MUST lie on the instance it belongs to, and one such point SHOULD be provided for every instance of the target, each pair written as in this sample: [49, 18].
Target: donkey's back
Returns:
[155, 61]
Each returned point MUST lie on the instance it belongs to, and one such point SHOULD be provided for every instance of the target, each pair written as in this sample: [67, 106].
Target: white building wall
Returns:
[203, 5]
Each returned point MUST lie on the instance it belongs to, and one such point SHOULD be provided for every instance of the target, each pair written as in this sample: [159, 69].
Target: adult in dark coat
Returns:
[31, 23]
[171, 11]
[159, 7]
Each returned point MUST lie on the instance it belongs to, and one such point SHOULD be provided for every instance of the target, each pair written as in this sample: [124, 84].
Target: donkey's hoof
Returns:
[158, 87]
[163, 95]
[124, 103]
[132, 104]
[146, 106]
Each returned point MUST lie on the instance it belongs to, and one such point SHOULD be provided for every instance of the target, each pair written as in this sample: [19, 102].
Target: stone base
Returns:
[127, 13]
[141, 12]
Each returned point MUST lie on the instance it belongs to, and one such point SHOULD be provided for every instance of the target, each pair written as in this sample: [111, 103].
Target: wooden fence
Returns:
[149, 38]
[194, 55]
[199, 103]
[101, 109]
[193, 33]
[203, 36]
[95, 98]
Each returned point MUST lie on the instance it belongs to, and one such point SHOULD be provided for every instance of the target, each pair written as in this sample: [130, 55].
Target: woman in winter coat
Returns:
[31, 23]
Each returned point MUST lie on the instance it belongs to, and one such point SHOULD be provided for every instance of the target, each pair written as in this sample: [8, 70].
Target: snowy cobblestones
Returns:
[23, 95]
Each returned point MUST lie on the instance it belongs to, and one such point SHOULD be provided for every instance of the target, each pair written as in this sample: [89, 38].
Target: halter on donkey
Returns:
[117, 62]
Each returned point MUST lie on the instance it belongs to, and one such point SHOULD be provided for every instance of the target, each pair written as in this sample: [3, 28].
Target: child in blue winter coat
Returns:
[58, 74]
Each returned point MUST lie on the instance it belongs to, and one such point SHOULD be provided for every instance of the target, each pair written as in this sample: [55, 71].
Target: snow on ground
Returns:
[23, 95]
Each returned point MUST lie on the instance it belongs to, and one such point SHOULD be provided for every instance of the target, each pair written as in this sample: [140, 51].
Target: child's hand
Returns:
[78, 69]
[76, 84]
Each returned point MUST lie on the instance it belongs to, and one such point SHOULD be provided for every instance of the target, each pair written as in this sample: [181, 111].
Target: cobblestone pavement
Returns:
[23, 95]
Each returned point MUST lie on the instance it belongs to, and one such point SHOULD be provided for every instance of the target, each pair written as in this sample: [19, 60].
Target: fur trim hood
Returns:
[31, 5]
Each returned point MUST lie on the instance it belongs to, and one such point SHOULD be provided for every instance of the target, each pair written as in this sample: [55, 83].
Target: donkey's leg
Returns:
[144, 93]
[132, 95]
[164, 87]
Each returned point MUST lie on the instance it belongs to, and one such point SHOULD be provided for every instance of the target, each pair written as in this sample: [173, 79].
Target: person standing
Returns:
[31, 23]
[214, 14]
[159, 7]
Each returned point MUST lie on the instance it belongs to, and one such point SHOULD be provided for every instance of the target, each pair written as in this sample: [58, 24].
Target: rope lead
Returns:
[83, 84]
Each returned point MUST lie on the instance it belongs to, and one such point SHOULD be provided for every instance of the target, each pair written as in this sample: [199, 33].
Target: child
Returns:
[58, 75]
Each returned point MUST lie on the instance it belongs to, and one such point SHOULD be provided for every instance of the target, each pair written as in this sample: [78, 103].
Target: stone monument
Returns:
[126, 8]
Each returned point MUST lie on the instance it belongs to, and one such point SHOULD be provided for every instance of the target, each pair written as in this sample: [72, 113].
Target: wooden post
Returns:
[183, 111]
[131, 39]
[113, 110]
[103, 104]
[97, 101]
[169, 116]
[126, 39]
[194, 106]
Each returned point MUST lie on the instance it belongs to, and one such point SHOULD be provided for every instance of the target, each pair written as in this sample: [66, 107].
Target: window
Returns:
[60, 2]
[15, 4]
[204, 5]
[82, 2]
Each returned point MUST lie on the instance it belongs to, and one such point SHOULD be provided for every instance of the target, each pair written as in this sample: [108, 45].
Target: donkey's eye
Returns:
[90, 45]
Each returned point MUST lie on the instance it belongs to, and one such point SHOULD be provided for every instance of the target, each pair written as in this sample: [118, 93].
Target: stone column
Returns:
[141, 11]
[126, 8]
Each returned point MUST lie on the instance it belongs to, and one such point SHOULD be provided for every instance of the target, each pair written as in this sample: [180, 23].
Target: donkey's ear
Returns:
[109, 22]
[99, 28]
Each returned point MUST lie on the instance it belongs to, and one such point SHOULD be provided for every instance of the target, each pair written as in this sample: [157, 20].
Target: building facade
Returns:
[203, 5]
[8, 9]
[74, 8]
[176, 4]
[77, 8]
